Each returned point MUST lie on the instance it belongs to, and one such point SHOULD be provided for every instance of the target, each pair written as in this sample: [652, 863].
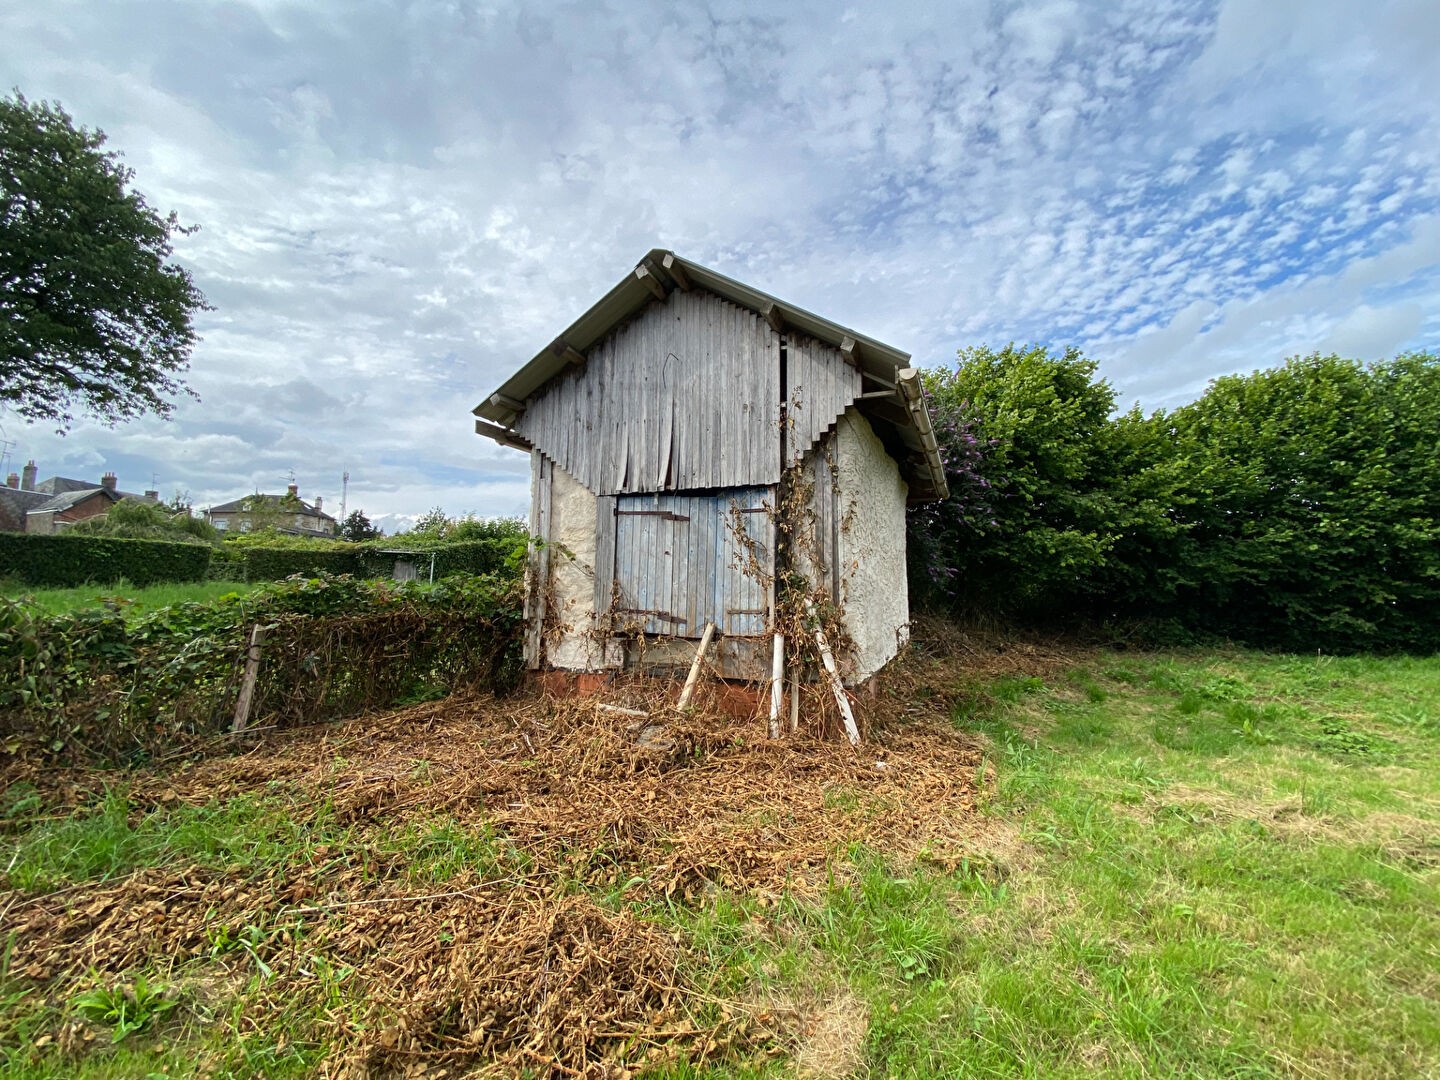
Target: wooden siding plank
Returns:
[826, 385]
[604, 556]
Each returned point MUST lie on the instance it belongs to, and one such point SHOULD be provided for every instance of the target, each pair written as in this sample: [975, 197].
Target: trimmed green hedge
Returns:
[501, 557]
[490, 556]
[64, 561]
[277, 563]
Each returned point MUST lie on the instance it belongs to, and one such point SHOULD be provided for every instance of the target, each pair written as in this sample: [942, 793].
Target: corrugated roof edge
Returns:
[667, 270]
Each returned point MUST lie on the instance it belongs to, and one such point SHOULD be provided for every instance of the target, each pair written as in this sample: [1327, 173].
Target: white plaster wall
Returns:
[873, 587]
[572, 575]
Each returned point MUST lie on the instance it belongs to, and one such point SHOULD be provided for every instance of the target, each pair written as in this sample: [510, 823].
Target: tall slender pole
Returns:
[777, 685]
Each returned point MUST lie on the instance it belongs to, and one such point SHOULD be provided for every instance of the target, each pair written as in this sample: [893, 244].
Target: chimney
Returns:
[108, 482]
[294, 491]
[153, 496]
[13, 480]
[319, 504]
[27, 475]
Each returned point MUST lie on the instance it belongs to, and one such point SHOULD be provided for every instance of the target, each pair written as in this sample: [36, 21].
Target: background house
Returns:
[678, 431]
[286, 513]
[49, 505]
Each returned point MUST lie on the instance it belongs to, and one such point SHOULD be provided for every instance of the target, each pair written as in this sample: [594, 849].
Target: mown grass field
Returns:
[1185, 865]
[134, 599]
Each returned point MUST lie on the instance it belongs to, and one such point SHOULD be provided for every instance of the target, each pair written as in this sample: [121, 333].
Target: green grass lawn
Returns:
[1188, 865]
[1198, 867]
[136, 600]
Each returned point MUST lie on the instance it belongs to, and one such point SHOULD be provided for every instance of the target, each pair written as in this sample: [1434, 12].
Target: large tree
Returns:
[94, 314]
[1033, 516]
[357, 527]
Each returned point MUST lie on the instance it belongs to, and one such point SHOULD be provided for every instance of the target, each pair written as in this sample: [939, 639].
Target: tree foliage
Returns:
[140, 520]
[357, 527]
[1026, 441]
[435, 526]
[1298, 506]
[94, 314]
[1309, 502]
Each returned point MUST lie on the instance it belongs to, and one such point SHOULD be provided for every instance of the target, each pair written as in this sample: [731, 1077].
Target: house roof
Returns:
[901, 418]
[272, 503]
[15, 503]
[66, 499]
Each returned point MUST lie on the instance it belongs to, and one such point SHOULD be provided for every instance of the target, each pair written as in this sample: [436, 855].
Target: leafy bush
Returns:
[140, 520]
[86, 682]
[1296, 507]
[66, 560]
[275, 563]
[487, 556]
[1033, 514]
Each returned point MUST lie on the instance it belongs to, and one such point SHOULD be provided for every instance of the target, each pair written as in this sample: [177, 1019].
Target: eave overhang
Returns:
[653, 278]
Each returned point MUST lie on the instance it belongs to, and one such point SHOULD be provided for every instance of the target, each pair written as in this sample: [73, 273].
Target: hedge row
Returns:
[68, 560]
[64, 561]
[89, 684]
[275, 563]
[493, 556]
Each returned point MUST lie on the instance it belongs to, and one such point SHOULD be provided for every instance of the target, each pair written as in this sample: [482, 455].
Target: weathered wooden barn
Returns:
[704, 453]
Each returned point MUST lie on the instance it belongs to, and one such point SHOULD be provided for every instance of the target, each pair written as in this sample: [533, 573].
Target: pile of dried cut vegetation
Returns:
[533, 950]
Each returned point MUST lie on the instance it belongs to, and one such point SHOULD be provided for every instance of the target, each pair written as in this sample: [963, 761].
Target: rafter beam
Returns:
[503, 402]
[501, 435]
[650, 281]
[774, 317]
[850, 350]
[567, 352]
[676, 271]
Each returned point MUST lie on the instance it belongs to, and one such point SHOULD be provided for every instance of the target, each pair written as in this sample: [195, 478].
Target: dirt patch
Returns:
[533, 962]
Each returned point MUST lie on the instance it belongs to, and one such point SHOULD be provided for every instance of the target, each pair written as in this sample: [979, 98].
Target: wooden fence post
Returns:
[694, 676]
[247, 681]
[777, 685]
[836, 686]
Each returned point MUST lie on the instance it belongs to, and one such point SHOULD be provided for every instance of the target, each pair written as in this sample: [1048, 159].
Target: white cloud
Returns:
[400, 203]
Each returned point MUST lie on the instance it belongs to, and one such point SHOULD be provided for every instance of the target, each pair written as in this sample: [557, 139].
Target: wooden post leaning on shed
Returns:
[694, 676]
[247, 681]
[794, 698]
[837, 687]
[777, 685]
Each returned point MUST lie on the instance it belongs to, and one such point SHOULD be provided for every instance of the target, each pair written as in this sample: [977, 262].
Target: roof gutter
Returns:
[907, 381]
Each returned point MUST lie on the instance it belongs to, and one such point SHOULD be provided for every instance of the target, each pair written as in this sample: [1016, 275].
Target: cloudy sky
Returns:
[400, 203]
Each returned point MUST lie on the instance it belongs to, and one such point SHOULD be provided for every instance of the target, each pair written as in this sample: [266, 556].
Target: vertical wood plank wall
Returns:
[685, 396]
[821, 386]
[679, 562]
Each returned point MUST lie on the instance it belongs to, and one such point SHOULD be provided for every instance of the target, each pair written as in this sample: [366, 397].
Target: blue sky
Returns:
[400, 203]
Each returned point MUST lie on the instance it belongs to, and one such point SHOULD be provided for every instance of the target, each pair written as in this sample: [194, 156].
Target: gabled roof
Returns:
[270, 504]
[59, 485]
[900, 418]
[66, 499]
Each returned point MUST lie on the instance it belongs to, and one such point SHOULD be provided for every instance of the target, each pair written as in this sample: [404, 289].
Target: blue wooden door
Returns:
[682, 560]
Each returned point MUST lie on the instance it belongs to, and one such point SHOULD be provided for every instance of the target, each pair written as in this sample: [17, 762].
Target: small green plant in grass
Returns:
[19, 800]
[125, 1009]
[249, 939]
[1338, 738]
[1013, 688]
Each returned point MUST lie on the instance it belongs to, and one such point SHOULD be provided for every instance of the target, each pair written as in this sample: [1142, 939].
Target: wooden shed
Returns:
[702, 453]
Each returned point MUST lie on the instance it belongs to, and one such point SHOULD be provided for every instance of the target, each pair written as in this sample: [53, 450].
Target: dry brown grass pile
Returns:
[532, 963]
